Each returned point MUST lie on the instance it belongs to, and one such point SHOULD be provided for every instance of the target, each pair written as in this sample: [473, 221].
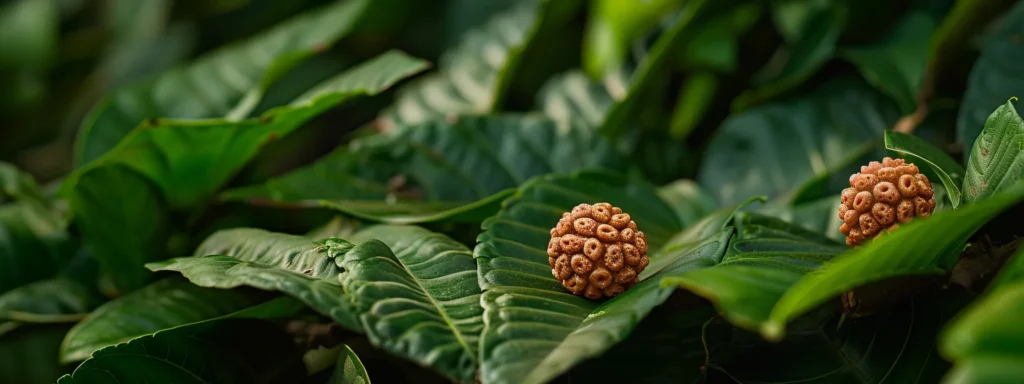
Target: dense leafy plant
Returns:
[347, 191]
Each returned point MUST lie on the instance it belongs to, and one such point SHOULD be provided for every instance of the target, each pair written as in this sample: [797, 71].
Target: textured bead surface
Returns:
[882, 196]
[597, 251]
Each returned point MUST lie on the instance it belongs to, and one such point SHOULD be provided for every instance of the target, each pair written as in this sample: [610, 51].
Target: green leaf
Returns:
[185, 161]
[294, 265]
[167, 303]
[417, 296]
[421, 212]
[55, 300]
[997, 158]
[925, 246]
[536, 330]
[29, 33]
[983, 340]
[209, 352]
[764, 259]
[896, 64]
[123, 218]
[349, 370]
[32, 246]
[215, 83]
[818, 216]
[649, 70]
[995, 76]
[949, 171]
[772, 149]
[474, 76]
[458, 169]
[796, 62]
[694, 100]
[170, 152]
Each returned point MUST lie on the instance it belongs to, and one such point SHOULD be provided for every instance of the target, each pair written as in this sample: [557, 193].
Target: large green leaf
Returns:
[572, 96]
[221, 351]
[925, 246]
[997, 158]
[453, 169]
[167, 303]
[896, 64]
[185, 161]
[417, 296]
[215, 84]
[123, 218]
[190, 159]
[773, 149]
[994, 78]
[949, 171]
[764, 259]
[474, 77]
[294, 265]
[535, 330]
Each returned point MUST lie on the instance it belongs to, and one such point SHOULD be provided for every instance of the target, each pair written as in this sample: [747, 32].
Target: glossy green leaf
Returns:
[455, 170]
[997, 158]
[764, 259]
[167, 303]
[209, 352]
[185, 161]
[294, 265]
[649, 69]
[535, 330]
[55, 300]
[896, 64]
[417, 296]
[217, 82]
[925, 246]
[348, 369]
[995, 76]
[169, 152]
[950, 172]
[772, 149]
[474, 76]
[794, 63]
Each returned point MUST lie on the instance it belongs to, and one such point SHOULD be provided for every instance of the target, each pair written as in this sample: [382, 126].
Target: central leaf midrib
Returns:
[440, 310]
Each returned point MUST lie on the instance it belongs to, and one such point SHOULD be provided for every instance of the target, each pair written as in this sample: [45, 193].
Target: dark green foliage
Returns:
[257, 191]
